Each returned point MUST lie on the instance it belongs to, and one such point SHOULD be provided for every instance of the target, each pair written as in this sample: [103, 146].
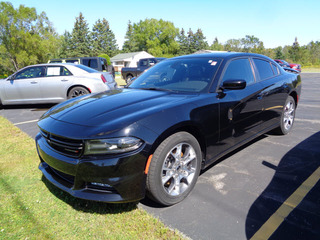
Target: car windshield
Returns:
[85, 68]
[180, 75]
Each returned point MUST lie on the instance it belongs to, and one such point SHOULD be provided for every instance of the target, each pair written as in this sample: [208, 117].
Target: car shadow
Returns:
[87, 205]
[303, 222]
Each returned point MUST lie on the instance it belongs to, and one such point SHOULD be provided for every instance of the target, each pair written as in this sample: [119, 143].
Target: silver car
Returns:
[53, 83]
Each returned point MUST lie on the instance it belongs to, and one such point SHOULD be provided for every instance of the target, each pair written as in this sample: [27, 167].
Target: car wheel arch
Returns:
[295, 97]
[186, 127]
[78, 85]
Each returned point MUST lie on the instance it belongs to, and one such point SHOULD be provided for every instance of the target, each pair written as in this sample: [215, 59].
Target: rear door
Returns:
[240, 110]
[55, 83]
[275, 91]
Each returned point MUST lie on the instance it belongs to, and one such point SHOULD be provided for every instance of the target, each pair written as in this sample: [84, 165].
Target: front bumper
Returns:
[98, 178]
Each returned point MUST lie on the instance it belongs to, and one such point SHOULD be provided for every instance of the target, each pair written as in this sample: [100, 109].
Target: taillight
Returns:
[103, 79]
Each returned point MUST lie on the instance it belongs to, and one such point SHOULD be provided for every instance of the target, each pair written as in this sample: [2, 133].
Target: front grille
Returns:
[66, 146]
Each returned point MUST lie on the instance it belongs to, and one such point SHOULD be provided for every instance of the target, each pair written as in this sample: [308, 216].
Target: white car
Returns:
[53, 83]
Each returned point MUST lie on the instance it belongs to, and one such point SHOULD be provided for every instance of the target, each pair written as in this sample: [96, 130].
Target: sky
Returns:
[275, 23]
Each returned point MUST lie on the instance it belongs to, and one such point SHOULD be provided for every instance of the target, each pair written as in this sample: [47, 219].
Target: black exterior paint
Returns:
[220, 119]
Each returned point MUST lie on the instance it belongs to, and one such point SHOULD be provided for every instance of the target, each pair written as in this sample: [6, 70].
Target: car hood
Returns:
[114, 108]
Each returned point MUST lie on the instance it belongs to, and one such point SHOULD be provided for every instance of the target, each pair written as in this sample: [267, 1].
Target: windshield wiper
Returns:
[158, 89]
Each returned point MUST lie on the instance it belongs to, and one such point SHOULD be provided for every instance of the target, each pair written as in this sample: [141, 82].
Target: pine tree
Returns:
[183, 43]
[103, 38]
[129, 44]
[80, 40]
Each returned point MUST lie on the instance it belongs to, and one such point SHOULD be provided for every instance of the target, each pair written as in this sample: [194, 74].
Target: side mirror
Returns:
[234, 84]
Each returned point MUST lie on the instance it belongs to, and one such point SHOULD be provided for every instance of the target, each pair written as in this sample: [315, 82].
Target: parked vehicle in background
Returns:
[296, 66]
[143, 64]
[98, 63]
[53, 83]
[156, 135]
[283, 63]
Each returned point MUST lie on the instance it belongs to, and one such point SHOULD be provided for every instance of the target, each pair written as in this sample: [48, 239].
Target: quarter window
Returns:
[275, 69]
[264, 68]
[239, 69]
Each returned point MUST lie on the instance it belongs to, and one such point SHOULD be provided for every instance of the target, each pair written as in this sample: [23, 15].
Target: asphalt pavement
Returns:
[268, 189]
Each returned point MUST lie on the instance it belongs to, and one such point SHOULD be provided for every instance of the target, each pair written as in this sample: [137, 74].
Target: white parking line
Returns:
[307, 120]
[31, 121]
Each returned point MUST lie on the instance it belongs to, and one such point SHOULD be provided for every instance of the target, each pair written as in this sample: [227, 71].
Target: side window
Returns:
[53, 71]
[85, 62]
[32, 72]
[275, 69]
[239, 69]
[152, 62]
[264, 68]
[65, 72]
[144, 63]
[103, 64]
[75, 61]
[93, 63]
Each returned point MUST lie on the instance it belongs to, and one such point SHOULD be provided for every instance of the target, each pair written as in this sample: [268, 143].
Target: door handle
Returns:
[33, 82]
[64, 80]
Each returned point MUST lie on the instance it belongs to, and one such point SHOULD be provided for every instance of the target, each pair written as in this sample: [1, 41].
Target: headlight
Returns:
[112, 145]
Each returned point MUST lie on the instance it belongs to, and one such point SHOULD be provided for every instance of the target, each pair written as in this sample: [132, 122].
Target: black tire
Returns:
[172, 177]
[287, 117]
[77, 91]
[128, 79]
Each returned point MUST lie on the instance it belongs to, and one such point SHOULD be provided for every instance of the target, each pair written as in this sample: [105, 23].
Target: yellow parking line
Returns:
[271, 225]
[31, 121]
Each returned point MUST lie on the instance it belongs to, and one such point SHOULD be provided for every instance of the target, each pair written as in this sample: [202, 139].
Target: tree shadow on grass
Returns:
[87, 205]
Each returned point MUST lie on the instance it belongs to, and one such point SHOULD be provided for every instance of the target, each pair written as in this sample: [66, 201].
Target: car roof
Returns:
[224, 55]
[53, 64]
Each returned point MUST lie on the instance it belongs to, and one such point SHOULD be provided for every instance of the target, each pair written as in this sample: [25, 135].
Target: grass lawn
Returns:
[120, 81]
[311, 70]
[31, 208]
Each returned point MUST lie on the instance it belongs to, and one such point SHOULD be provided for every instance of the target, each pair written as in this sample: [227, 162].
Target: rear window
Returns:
[93, 63]
[85, 68]
[264, 68]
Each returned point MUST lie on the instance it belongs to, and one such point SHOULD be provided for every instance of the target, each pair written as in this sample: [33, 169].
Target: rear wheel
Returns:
[287, 117]
[128, 79]
[77, 91]
[174, 169]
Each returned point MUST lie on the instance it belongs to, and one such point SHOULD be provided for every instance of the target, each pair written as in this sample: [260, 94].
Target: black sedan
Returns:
[157, 134]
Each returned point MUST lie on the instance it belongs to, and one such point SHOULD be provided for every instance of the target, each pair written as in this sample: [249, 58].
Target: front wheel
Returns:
[77, 91]
[174, 169]
[287, 117]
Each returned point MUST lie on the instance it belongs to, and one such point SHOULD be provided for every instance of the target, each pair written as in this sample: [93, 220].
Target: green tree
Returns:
[191, 42]
[129, 45]
[183, 43]
[279, 53]
[154, 36]
[25, 37]
[314, 52]
[80, 38]
[65, 50]
[216, 46]
[233, 45]
[103, 39]
[252, 44]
